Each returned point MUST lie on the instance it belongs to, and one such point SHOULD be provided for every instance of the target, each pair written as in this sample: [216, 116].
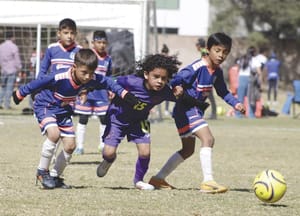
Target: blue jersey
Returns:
[104, 68]
[272, 66]
[59, 90]
[58, 58]
[134, 84]
[198, 80]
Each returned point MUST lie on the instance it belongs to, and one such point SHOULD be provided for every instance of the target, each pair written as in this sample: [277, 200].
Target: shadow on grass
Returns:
[84, 163]
[241, 190]
[274, 205]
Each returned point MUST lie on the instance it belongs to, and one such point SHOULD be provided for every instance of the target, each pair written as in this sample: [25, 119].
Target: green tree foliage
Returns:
[274, 19]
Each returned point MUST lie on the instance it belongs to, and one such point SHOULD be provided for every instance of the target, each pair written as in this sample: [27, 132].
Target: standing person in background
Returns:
[60, 55]
[97, 100]
[272, 68]
[10, 63]
[201, 47]
[197, 80]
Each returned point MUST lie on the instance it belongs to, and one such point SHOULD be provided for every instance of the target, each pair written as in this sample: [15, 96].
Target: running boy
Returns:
[53, 109]
[97, 100]
[197, 80]
[150, 86]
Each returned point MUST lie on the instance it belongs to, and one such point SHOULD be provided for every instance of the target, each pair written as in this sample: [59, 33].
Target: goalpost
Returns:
[131, 15]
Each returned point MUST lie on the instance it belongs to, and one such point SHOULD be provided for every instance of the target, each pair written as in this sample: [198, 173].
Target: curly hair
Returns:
[150, 62]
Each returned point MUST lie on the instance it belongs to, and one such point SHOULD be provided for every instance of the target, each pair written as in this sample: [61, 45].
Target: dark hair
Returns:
[99, 35]
[165, 49]
[245, 60]
[86, 57]
[201, 42]
[67, 23]
[150, 62]
[219, 38]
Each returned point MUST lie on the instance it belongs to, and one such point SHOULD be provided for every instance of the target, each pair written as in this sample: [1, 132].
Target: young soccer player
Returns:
[59, 56]
[198, 79]
[53, 108]
[150, 86]
[97, 100]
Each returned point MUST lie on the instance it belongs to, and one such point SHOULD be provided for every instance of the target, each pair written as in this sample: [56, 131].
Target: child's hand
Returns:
[177, 91]
[240, 107]
[83, 96]
[16, 98]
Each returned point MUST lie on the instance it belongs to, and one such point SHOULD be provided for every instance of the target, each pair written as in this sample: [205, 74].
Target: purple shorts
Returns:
[115, 131]
[188, 120]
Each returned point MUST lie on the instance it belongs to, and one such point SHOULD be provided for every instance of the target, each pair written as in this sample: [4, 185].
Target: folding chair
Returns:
[296, 98]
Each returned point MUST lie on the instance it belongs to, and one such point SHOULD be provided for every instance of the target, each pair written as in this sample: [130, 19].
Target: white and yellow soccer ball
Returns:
[269, 186]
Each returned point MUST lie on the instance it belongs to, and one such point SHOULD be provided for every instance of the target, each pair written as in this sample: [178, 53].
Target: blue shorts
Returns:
[49, 118]
[188, 120]
[91, 107]
[115, 131]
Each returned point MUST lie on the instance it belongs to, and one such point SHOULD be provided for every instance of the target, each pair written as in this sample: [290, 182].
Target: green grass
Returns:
[243, 148]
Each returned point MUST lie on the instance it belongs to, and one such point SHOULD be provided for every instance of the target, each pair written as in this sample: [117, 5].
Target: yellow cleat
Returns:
[212, 187]
[160, 183]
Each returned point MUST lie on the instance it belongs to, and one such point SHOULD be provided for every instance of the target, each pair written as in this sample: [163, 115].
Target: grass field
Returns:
[243, 148]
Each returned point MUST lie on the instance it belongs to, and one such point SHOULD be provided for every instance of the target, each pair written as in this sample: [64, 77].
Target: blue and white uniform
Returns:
[97, 100]
[198, 80]
[53, 105]
[124, 120]
[58, 58]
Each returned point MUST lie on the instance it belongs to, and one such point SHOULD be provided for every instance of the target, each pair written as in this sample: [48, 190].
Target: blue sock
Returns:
[141, 168]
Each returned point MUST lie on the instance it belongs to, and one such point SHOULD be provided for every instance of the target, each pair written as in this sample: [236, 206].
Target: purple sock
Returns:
[141, 168]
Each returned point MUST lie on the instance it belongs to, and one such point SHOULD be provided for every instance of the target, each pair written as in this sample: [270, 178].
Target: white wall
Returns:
[191, 19]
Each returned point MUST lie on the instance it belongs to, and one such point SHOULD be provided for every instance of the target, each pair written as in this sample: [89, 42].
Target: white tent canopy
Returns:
[132, 15]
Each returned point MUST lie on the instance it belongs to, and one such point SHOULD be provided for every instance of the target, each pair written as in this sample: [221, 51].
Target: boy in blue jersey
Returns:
[59, 56]
[53, 107]
[97, 100]
[150, 86]
[197, 80]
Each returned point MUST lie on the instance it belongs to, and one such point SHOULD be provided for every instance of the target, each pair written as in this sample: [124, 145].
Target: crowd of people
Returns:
[73, 79]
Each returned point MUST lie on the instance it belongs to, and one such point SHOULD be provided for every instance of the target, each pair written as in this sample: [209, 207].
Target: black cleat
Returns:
[59, 183]
[46, 180]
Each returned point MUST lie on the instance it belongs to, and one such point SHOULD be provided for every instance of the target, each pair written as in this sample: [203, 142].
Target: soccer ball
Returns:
[221, 111]
[269, 186]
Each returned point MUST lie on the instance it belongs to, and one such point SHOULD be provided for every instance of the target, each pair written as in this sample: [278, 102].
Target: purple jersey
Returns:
[134, 84]
[58, 58]
[124, 120]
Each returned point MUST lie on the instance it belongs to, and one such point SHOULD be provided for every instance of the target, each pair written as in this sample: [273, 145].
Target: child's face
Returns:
[82, 74]
[66, 36]
[218, 54]
[156, 79]
[100, 45]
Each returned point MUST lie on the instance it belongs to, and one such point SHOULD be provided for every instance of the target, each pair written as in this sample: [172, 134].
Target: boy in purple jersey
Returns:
[97, 100]
[150, 86]
[197, 80]
[53, 109]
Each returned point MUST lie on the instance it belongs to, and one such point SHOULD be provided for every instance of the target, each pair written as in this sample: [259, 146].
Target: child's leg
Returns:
[80, 133]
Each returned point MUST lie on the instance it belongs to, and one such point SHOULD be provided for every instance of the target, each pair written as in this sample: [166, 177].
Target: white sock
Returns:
[46, 154]
[60, 164]
[80, 135]
[101, 132]
[206, 163]
[56, 148]
[170, 165]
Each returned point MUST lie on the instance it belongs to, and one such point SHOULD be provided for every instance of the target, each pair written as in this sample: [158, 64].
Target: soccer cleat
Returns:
[78, 151]
[46, 180]
[212, 187]
[59, 183]
[144, 186]
[103, 168]
[160, 183]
